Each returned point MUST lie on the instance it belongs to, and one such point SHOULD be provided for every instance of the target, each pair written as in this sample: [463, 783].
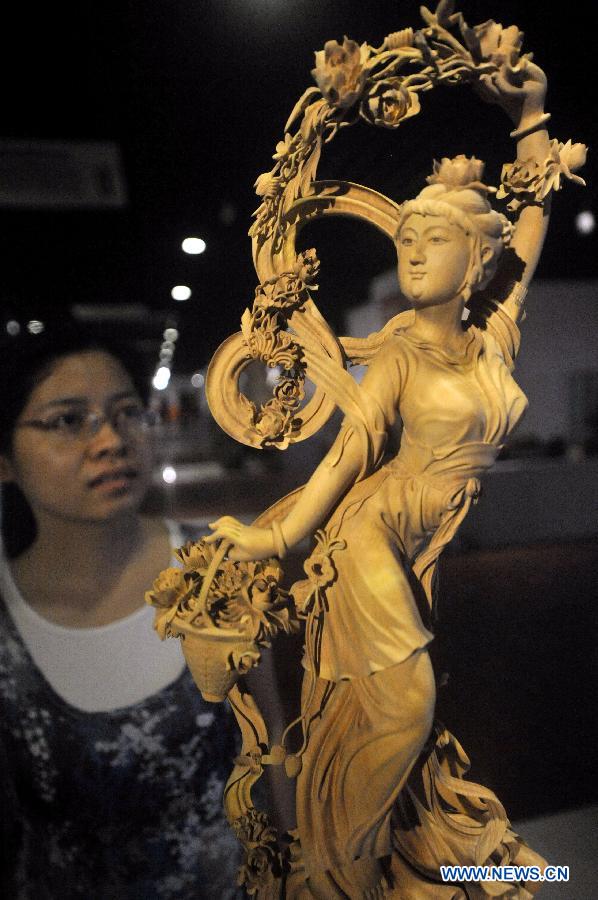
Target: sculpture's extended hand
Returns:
[250, 541]
[519, 90]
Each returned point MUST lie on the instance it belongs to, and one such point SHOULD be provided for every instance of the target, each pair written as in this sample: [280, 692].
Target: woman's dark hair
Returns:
[25, 361]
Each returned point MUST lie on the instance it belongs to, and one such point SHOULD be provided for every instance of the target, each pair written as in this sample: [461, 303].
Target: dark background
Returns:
[196, 93]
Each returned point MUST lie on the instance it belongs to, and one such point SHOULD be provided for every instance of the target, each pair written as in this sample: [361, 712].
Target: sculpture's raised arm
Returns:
[520, 90]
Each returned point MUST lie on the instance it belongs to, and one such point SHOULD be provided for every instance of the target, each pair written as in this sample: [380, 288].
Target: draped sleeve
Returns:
[505, 332]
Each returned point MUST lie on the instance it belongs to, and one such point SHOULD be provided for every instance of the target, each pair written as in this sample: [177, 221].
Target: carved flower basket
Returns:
[216, 658]
[223, 611]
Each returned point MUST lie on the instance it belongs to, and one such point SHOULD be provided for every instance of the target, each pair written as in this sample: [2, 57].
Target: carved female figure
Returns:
[381, 802]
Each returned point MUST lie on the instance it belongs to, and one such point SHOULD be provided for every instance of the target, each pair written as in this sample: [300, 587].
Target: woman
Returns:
[372, 781]
[112, 765]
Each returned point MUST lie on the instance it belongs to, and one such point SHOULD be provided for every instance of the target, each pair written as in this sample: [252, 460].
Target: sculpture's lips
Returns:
[114, 479]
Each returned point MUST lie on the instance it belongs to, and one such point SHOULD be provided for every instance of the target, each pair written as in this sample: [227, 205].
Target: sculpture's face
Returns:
[434, 256]
[67, 470]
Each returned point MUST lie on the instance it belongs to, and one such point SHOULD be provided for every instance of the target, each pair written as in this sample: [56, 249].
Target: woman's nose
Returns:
[106, 438]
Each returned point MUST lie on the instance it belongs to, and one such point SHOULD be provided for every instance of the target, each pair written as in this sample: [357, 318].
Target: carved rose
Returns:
[390, 103]
[497, 43]
[168, 587]
[272, 421]
[307, 266]
[460, 172]
[290, 392]
[340, 72]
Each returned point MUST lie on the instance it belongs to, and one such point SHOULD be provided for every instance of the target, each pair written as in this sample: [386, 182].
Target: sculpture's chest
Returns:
[446, 403]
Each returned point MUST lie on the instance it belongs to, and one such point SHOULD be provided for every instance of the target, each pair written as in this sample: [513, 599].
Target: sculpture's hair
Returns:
[456, 193]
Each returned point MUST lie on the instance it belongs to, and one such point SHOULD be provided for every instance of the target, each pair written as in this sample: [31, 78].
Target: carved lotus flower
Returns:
[497, 43]
[460, 172]
[390, 103]
[340, 72]
[528, 181]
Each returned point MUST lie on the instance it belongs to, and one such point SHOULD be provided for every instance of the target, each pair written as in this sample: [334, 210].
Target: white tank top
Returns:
[103, 668]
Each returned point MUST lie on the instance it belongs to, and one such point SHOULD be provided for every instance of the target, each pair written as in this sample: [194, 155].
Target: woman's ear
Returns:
[7, 472]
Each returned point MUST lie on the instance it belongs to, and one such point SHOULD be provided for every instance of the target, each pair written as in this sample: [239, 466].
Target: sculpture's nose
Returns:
[417, 255]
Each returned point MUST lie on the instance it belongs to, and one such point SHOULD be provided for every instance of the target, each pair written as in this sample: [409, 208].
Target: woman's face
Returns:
[69, 469]
[434, 256]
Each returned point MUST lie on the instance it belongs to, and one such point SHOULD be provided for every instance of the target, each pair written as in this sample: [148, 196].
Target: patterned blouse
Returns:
[119, 805]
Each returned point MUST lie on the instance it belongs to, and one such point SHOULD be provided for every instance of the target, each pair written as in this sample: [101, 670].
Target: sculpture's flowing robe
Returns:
[369, 695]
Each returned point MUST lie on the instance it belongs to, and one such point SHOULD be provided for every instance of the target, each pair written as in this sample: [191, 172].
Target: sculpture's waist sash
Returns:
[455, 472]
[448, 468]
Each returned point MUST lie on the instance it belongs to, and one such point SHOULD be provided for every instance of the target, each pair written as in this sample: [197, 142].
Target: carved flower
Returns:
[460, 172]
[307, 266]
[229, 579]
[290, 392]
[272, 421]
[398, 39]
[389, 103]
[244, 660]
[497, 43]
[195, 556]
[320, 569]
[571, 157]
[167, 588]
[340, 72]
[268, 185]
[264, 859]
[529, 181]
[283, 148]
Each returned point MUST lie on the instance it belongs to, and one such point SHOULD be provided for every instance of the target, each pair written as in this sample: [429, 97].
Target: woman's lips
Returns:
[113, 480]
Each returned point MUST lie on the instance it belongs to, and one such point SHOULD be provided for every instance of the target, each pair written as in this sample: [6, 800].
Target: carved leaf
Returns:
[301, 104]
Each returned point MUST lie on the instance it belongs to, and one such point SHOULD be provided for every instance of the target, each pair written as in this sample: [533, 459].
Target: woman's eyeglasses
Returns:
[83, 425]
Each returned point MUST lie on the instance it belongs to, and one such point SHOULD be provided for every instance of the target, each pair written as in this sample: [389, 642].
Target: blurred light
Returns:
[193, 245]
[197, 380]
[180, 292]
[161, 378]
[227, 213]
[167, 345]
[35, 326]
[169, 474]
[272, 375]
[13, 327]
[166, 354]
[585, 222]
[171, 334]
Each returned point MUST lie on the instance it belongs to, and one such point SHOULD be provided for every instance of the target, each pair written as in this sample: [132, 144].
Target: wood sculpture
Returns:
[382, 801]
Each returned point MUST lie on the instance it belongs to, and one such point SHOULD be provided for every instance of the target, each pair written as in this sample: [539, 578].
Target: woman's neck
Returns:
[85, 547]
[80, 574]
[441, 325]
